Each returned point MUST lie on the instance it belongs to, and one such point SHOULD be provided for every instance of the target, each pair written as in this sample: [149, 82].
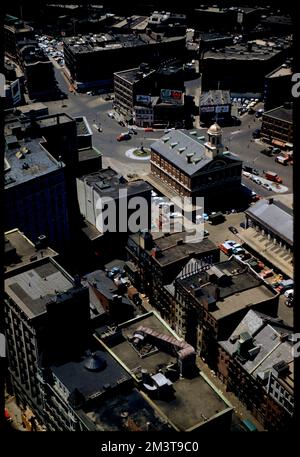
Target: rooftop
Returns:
[281, 113]
[194, 400]
[135, 74]
[173, 248]
[275, 216]
[284, 70]
[267, 336]
[28, 159]
[82, 374]
[108, 41]
[108, 182]
[13, 118]
[126, 411]
[34, 288]
[186, 150]
[256, 50]
[228, 287]
[88, 154]
[215, 97]
[82, 126]
[20, 251]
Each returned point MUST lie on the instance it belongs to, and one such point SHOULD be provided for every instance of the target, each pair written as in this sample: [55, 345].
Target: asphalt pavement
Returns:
[237, 139]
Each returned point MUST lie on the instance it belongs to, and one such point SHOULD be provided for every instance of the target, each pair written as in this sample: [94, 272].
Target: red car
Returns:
[148, 129]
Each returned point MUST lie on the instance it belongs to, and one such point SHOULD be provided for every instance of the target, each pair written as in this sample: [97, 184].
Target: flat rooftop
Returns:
[240, 289]
[281, 113]
[260, 50]
[20, 251]
[28, 161]
[107, 41]
[108, 182]
[126, 411]
[82, 126]
[132, 76]
[194, 400]
[171, 252]
[88, 154]
[34, 288]
[75, 374]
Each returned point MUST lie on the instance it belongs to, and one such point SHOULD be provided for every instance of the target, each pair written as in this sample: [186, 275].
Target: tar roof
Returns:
[281, 113]
[132, 75]
[26, 252]
[126, 411]
[274, 217]
[75, 375]
[28, 161]
[172, 250]
[108, 182]
[259, 50]
[194, 401]
[33, 289]
[241, 289]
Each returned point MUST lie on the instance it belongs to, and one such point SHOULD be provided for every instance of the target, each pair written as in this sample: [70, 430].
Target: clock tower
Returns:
[214, 146]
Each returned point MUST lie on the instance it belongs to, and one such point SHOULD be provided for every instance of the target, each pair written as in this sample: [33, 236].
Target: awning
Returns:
[281, 144]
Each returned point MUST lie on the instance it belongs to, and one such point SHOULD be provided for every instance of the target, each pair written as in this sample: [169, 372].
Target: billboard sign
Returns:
[146, 99]
[207, 109]
[222, 109]
[171, 96]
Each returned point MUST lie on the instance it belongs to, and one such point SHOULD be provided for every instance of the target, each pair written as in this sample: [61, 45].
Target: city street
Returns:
[237, 139]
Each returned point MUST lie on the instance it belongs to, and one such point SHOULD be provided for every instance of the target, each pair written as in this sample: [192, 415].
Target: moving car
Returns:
[267, 186]
[123, 136]
[233, 229]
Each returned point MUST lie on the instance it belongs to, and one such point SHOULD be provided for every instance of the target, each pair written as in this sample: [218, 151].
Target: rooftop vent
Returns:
[189, 157]
[181, 149]
[95, 363]
[173, 145]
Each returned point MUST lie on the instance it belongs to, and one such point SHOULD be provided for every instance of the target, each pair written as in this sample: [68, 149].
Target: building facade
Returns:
[35, 193]
[277, 126]
[193, 167]
[256, 364]
[215, 106]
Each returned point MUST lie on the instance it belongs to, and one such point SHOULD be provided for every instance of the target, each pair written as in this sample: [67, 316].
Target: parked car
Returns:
[267, 274]
[255, 171]
[233, 229]
[267, 186]
[256, 133]
[148, 129]
[111, 115]
[289, 293]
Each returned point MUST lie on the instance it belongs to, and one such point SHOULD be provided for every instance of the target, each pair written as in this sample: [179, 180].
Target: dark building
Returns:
[212, 17]
[256, 364]
[209, 40]
[192, 167]
[210, 302]
[35, 194]
[168, 22]
[15, 31]
[143, 94]
[277, 126]
[133, 86]
[84, 56]
[89, 158]
[40, 299]
[158, 259]
[278, 87]
[215, 106]
[38, 71]
[242, 67]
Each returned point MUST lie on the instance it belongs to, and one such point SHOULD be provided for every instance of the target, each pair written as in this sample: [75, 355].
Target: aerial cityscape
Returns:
[148, 217]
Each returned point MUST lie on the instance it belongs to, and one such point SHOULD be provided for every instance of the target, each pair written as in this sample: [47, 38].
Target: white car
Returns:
[289, 293]
[267, 186]
[247, 174]
[111, 115]
[174, 215]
